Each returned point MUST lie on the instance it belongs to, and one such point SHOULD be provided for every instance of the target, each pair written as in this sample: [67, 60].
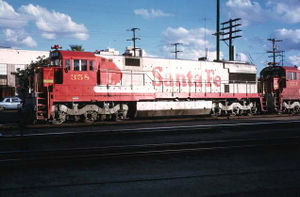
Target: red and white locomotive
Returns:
[281, 89]
[104, 85]
[89, 86]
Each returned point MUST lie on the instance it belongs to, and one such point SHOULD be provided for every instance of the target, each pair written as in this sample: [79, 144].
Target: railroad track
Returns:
[153, 129]
[161, 119]
[12, 125]
[145, 135]
[56, 155]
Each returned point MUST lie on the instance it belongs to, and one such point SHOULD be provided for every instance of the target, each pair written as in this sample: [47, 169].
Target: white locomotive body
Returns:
[182, 87]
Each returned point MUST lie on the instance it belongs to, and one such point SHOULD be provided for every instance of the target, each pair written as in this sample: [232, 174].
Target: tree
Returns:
[25, 78]
[76, 48]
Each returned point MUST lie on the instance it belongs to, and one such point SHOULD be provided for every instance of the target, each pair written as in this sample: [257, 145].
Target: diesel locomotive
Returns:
[105, 85]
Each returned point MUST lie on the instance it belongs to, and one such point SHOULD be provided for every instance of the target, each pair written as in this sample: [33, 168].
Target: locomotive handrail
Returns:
[181, 85]
[126, 72]
[205, 87]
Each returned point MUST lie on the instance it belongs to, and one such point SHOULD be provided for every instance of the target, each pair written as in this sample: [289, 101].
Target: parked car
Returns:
[11, 103]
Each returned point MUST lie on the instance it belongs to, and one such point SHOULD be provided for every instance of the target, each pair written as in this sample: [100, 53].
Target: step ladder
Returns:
[41, 106]
[277, 103]
[264, 103]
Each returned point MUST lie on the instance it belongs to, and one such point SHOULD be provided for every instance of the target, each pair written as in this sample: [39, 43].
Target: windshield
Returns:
[55, 62]
[55, 59]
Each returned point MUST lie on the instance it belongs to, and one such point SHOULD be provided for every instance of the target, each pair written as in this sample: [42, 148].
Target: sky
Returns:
[102, 24]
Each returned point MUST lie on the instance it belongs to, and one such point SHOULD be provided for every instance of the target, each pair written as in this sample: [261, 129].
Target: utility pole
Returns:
[205, 38]
[176, 51]
[133, 39]
[282, 57]
[218, 31]
[229, 32]
[274, 51]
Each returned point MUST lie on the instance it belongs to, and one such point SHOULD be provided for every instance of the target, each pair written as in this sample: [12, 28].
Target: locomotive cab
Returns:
[62, 81]
[273, 79]
[281, 86]
[72, 67]
[56, 67]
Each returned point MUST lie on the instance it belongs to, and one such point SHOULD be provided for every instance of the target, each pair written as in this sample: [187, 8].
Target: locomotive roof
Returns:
[287, 68]
[77, 54]
[162, 58]
[278, 70]
[83, 54]
[291, 68]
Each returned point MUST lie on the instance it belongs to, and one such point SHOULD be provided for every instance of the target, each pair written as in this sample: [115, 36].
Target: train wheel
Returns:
[235, 111]
[90, 117]
[296, 110]
[108, 117]
[253, 111]
[243, 112]
[286, 111]
[77, 118]
[115, 117]
[61, 117]
[102, 117]
[216, 112]
[57, 121]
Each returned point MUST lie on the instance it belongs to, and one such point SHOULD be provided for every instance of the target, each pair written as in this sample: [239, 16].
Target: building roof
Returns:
[21, 57]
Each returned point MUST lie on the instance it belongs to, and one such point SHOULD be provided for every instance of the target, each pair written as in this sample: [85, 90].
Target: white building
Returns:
[10, 61]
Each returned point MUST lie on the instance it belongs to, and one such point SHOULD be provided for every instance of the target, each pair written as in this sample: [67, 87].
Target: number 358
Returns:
[80, 77]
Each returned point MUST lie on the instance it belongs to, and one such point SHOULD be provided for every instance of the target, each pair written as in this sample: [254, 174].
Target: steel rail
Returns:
[138, 121]
[141, 150]
[156, 129]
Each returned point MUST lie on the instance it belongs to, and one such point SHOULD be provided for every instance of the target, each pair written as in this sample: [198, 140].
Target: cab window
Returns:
[55, 62]
[55, 59]
[91, 65]
[288, 75]
[67, 64]
[76, 65]
[83, 65]
[80, 65]
[293, 76]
